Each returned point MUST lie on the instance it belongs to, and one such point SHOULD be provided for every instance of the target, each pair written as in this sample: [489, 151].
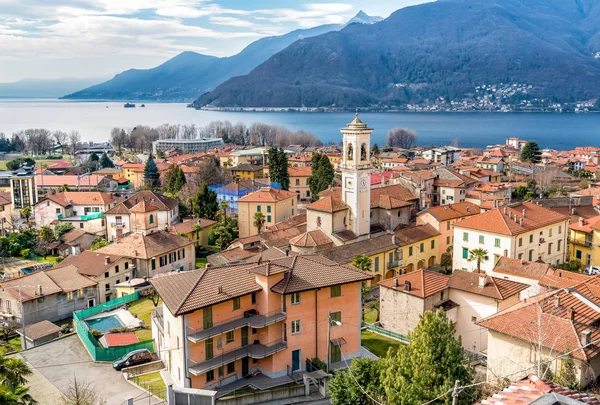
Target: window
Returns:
[465, 253]
[558, 246]
[210, 375]
[95, 209]
[465, 236]
[183, 253]
[296, 327]
[236, 303]
[297, 182]
[422, 247]
[221, 369]
[253, 298]
[560, 229]
[70, 296]
[151, 219]
[520, 242]
[81, 225]
[447, 240]
[531, 238]
[106, 287]
[106, 274]
[481, 239]
[207, 321]
[268, 208]
[208, 348]
[530, 255]
[520, 256]
[335, 317]
[162, 261]
[117, 268]
[268, 218]
[578, 254]
[376, 264]
[550, 233]
[550, 248]
[231, 367]
[126, 265]
[229, 337]
[410, 251]
[153, 264]
[258, 209]
[58, 210]
[336, 291]
[497, 242]
[448, 225]
[295, 298]
[433, 243]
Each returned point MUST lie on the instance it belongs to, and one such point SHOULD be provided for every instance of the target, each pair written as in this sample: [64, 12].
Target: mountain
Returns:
[189, 74]
[442, 49]
[363, 18]
[44, 88]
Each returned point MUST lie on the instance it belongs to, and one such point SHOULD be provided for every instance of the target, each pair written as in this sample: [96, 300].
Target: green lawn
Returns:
[201, 262]
[15, 344]
[377, 344]
[370, 315]
[152, 382]
[142, 308]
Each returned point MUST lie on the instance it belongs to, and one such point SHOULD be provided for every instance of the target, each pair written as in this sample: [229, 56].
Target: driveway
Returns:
[58, 362]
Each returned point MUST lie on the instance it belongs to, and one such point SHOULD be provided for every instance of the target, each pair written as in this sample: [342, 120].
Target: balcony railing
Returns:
[157, 317]
[117, 225]
[395, 263]
[587, 243]
[254, 351]
[251, 320]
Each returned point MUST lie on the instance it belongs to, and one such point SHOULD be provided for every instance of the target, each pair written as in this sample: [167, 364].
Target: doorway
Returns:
[296, 360]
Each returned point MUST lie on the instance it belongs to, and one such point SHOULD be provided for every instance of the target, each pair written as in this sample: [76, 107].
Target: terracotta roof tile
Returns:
[452, 211]
[530, 270]
[423, 283]
[371, 246]
[81, 198]
[496, 288]
[162, 202]
[141, 246]
[120, 339]
[311, 239]
[414, 233]
[90, 263]
[300, 171]
[267, 194]
[556, 278]
[329, 203]
[40, 330]
[188, 225]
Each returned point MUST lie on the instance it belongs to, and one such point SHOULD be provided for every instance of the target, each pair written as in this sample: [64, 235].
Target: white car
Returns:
[592, 270]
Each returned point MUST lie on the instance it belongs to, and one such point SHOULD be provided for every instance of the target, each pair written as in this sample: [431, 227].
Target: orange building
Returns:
[219, 326]
[443, 217]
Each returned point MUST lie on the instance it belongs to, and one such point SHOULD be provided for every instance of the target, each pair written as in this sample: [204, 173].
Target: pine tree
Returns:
[278, 167]
[92, 162]
[321, 177]
[174, 180]
[531, 153]
[105, 162]
[375, 150]
[428, 366]
[205, 203]
[151, 174]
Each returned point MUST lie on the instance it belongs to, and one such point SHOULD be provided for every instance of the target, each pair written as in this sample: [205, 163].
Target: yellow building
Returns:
[299, 181]
[276, 205]
[194, 229]
[418, 247]
[134, 172]
[335, 159]
[584, 241]
[247, 171]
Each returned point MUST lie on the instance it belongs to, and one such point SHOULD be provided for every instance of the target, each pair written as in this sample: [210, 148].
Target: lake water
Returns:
[94, 120]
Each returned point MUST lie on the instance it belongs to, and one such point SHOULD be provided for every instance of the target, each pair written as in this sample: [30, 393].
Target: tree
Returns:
[9, 327]
[60, 138]
[204, 203]
[92, 162]
[531, 153]
[278, 167]
[174, 180]
[478, 255]
[363, 262]
[322, 175]
[521, 192]
[210, 173]
[105, 162]
[13, 377]
[364, 372]
[74, 139]
[401, 138]
[567, 376]
[62, 228]
[259, 221]
[118, 138]
[99, 243]
[17, 163]
[81, 393]
[46, 237]
[375, 150]
[222, 235]
[151, 174]
[26, 212]
[15, 396]
[428, 366]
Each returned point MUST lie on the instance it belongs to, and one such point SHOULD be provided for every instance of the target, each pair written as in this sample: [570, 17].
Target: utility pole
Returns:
[22, 319]
[328, 341]
[455, 393]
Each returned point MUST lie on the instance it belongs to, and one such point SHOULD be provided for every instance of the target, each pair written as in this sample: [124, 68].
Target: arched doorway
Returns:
[431, 261]
[421, 264]
[376, 280]
[390, 274]
[410, 268]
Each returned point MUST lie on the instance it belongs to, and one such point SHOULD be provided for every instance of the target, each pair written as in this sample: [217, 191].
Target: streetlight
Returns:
[329, 322]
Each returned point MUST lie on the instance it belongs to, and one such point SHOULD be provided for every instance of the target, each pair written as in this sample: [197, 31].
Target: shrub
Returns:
[96, 333]
[318, 364]
[25, 252]
[122, 329]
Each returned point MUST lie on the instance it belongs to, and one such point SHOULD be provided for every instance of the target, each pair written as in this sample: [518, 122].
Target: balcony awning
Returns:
[338, 341]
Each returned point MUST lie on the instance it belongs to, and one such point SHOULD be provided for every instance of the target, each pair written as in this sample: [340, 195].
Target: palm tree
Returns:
[16, 396]
[259, 220]
[363, 262]
[13, 371]
[26, 212]
[479, 255]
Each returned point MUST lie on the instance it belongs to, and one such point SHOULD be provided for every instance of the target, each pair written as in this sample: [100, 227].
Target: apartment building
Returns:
[299, 181]
[221, 325]
[450, 187]
[276, 205]
[447, 155]
[83, 209]
[523, 231]
[584, 241]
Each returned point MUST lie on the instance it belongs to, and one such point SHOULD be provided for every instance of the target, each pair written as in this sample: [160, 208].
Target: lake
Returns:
[94, 120]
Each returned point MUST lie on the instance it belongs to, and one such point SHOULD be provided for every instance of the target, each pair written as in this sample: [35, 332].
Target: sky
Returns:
[52, 39]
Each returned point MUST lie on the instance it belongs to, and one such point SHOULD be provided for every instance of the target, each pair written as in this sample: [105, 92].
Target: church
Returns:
[355, 212]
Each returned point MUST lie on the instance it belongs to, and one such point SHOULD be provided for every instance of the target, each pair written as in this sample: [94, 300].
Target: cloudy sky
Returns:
[98, 38]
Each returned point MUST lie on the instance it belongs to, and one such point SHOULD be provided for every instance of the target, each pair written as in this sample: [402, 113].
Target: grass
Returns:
[15, 344]
[370, 315]
[201, 262]
[40, 259]
[142, 308]
[152, 382]
[377, 344]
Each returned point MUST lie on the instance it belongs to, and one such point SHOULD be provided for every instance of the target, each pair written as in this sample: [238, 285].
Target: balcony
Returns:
[247, 319]
[395, 263]
[118, 225]
[254, 351]
[157, 317]
[586, 243]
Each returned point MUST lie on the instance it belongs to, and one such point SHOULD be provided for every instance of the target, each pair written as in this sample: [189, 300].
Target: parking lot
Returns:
[66, 358]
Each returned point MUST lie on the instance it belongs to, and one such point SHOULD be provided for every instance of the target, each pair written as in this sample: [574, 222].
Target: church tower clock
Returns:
[356, 175]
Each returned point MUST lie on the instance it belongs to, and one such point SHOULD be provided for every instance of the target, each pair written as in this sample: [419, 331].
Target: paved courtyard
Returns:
[58, 362]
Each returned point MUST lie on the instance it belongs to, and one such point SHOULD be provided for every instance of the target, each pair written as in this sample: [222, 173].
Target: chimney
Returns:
[407, 286]
[393, 239]
[510, 215]
[516, 218]
[524, 210]
[287, 252]
[557, 302]
[107, 260]
[573, 211]
[468, 209]
[40, 290]
[585, 337]
[220, 289]
[505, 210]
[571, 313]
[482, 278]
[580, 221]
[396, 283]
[521, 222]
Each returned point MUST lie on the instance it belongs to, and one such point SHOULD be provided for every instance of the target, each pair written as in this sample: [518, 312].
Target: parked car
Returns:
[133, 358]
[593, 270]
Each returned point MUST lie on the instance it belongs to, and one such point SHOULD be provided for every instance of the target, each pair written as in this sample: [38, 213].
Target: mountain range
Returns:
[444, 49]
[190, 74]
[44, 88]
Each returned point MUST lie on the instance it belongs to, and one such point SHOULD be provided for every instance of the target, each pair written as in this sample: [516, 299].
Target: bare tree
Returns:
[188, 131]
[9, 328]
[74, 139]
[81, 393]
[455, 142]
[544, 180]
[60, 138]
[119, 138]
[401, 138]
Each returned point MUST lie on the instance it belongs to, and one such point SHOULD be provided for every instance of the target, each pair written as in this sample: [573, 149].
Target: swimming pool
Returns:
[105, 324]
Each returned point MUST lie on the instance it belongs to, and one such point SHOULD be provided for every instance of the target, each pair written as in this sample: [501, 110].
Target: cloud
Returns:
[231, 21]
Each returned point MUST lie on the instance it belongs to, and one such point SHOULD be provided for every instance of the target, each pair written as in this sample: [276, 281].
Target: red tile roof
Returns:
[496, 288]
[267, 194]
[311, 239]
[531, 270]
[300, 171]
[423, 283]
[329, 203]
[452, 211]
[120, 339]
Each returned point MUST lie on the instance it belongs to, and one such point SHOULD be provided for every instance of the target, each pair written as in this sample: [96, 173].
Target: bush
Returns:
[96, 333]
[26, 253]
[66, 328]
[122, 329]
[318, 364]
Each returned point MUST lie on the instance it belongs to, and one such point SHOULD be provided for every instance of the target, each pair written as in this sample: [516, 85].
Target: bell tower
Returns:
[356, 176]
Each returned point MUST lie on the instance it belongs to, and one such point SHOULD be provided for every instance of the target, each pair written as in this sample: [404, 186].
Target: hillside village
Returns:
[261, 273]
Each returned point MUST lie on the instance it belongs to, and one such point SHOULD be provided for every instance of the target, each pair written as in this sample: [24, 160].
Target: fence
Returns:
[385, 332]
[98, 352]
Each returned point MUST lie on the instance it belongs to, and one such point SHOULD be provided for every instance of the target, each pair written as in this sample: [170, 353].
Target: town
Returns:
[199, 268]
